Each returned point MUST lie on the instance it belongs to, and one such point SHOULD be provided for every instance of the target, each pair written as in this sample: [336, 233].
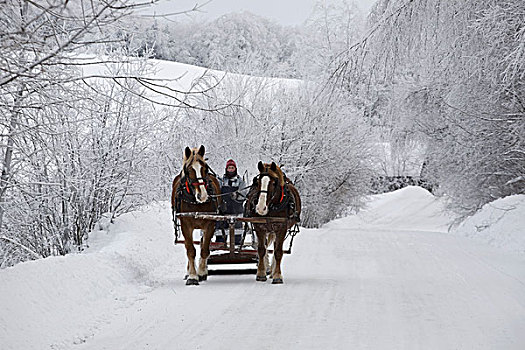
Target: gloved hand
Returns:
[238, 197]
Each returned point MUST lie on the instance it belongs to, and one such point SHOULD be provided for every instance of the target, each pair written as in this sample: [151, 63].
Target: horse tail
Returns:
[270, 239]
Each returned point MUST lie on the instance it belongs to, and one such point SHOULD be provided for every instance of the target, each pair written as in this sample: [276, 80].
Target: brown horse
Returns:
[272, 195]
[195, 189]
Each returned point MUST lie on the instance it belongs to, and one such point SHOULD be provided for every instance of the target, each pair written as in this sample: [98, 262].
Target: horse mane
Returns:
[194, 156]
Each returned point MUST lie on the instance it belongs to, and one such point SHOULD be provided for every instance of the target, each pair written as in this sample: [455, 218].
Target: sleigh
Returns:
[231, 253]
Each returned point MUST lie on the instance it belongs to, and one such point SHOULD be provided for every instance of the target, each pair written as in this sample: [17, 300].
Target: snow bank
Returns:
[411, 208]
[57, 301]
[60, 301]
[500, 223]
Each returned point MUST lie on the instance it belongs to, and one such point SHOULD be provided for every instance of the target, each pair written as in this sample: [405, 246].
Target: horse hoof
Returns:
[192, 282]
[261, 278]
[203, 278]
[277, 281]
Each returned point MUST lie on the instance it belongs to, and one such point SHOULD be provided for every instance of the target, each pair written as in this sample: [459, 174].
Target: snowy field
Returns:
[390, 277]
[175, 79]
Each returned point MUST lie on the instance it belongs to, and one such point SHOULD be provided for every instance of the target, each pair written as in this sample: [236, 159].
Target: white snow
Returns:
[411, 208]
[500, 223]
[390, 277]
[178, 76]
[168, 78]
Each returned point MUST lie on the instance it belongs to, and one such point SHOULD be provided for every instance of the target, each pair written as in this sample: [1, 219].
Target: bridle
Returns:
[275, 192]
[198, 181]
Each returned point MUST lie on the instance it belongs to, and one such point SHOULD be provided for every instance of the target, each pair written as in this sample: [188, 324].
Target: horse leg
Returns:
[202, 270]
[267, 263]
[190, 253]
[277, 257]
[269, 269]
[262, 253]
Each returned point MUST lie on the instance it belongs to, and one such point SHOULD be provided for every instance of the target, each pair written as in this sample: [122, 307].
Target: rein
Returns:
[229, 193]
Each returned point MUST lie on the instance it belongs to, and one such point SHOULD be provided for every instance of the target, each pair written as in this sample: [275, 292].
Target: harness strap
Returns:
[199, 183]
[236, 191]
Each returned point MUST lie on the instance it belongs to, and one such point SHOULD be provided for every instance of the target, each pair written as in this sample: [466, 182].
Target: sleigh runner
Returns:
[228, 252]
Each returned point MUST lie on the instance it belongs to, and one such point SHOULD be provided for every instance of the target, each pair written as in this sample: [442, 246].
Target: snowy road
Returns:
[350, 285]
[369, 290]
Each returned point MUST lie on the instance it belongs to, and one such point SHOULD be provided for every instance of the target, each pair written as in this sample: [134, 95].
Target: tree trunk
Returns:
[8, 156]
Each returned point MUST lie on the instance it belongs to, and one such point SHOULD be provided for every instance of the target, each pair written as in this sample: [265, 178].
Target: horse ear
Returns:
[260, 166]
[201, 151]
[187, 153]
[273, 167]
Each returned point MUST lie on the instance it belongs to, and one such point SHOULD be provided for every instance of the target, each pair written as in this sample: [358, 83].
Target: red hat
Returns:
[231, 162]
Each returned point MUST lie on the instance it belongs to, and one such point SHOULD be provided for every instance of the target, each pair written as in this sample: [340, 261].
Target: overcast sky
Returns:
[286, 12]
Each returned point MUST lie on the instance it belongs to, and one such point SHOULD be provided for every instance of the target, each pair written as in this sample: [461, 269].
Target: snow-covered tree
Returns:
[326, 35]
[460, 67]
[316, 136]
[71, 151]
[236, 42]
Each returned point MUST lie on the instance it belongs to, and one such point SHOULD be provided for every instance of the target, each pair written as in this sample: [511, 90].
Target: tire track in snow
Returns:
[362, 288]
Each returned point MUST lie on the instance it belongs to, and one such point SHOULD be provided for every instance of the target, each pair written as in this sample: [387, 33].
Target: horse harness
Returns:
[186, 190]
[286, 198]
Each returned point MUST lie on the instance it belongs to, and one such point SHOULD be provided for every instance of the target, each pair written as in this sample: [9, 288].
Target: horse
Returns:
[272, 195]
[195, 189]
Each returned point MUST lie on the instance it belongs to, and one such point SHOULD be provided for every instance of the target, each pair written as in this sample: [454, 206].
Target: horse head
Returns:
[195, 171]
[270, 187]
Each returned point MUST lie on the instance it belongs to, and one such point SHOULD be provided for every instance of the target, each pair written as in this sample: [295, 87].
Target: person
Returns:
[232, 183]
[233, 191]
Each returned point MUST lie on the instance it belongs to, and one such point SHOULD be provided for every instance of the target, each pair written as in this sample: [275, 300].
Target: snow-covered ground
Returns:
[390, 277]
[179, 80]
[500, 223]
